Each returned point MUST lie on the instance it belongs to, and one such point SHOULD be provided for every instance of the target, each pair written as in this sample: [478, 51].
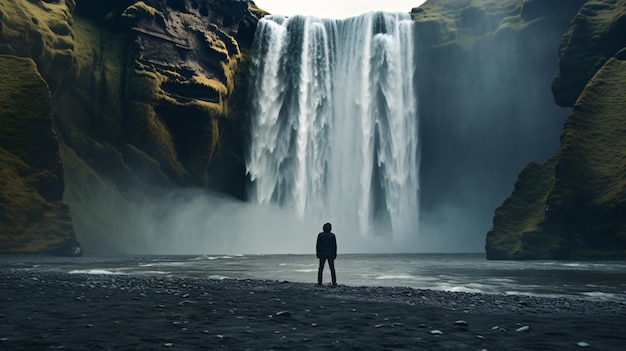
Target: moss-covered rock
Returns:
[180, 74]
[141, 97]
[160, 93]
[520, 226]
[467, 22]
[596, 35]
[40, 30]
[33, 217]
[573, 206]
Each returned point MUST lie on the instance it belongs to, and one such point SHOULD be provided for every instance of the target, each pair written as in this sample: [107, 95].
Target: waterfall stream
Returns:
[334, 130]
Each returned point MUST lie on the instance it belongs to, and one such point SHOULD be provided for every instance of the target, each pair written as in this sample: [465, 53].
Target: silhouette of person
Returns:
[326, 249]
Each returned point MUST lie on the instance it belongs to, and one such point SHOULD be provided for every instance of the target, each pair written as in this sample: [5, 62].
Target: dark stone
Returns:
[70, 248]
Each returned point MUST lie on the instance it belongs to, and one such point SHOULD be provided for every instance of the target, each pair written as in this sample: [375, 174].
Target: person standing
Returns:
[326, 249]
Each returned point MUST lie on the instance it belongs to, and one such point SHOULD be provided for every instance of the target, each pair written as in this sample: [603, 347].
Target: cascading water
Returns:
[335, 124]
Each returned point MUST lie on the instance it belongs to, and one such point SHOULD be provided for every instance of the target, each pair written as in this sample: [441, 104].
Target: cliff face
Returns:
[573, 206]
[484, 70]
[33, 216]
[142, 95]
[40, 30]
[157, 89]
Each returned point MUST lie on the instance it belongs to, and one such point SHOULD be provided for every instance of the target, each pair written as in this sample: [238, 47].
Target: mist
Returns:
[197, 222]
[485, 111]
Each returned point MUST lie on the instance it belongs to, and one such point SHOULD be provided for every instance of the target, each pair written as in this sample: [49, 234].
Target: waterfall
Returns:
[334, 129]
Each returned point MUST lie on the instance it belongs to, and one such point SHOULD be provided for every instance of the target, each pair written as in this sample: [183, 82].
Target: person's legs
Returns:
[320, 270]
[331, 264]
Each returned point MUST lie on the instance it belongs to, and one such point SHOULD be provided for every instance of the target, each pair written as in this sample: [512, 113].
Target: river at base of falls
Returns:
[471, 273]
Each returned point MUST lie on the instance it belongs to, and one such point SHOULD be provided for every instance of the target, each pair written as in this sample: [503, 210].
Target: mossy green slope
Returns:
[574, 206]
[589, 196]
[32, 216]
[521, 219]
[597, 33]
[466, 22]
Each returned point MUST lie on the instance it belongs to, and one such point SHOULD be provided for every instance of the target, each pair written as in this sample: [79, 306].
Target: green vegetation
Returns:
[465, 22]
[40, 30]
[519, 223]
[32, 216]
[573, 206]
[140, 9]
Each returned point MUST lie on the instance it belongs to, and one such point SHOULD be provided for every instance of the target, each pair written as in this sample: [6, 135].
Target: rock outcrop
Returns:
[33, 217]
[145, 95]
[573, 206]
[42, 31]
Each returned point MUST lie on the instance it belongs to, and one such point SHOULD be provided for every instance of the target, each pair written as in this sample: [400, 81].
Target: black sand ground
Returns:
[58, 311]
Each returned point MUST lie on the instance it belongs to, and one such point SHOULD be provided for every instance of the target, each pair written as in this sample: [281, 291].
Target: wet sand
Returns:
[60, 311]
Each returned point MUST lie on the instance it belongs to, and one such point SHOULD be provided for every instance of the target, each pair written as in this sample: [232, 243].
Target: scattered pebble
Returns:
[283, 314]
[384, 325]
[197, 320]
[461, 323]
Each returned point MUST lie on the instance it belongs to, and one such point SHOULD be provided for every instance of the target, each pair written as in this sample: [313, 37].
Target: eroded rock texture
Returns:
[145, 95]
[33, 216]
[40, 30]
[162, 82]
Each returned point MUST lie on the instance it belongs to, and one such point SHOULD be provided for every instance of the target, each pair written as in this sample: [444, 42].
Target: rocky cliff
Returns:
[144, 95]
[574, 205]
[33, 216]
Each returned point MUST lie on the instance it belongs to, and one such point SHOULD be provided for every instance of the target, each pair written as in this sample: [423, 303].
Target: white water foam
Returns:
[95, 271]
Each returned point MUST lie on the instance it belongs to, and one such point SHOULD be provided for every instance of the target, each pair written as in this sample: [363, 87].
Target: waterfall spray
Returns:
[335, 124]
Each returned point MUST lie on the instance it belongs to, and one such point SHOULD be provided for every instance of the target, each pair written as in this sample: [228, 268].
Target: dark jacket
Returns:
[326, 245]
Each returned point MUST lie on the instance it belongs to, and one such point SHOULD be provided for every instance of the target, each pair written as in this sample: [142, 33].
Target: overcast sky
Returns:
[335, 8]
